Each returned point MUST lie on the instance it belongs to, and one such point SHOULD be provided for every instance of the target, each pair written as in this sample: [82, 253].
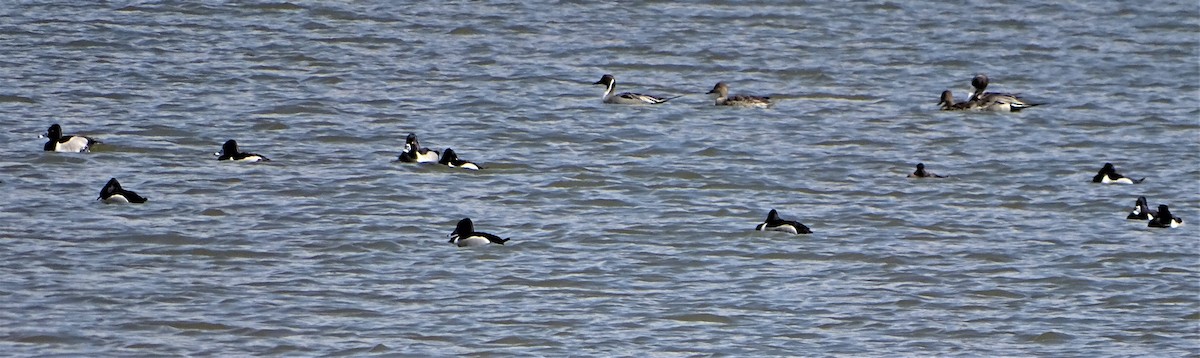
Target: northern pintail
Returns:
[721, 92]
[996, 102]
[947, 103]
[610, 95]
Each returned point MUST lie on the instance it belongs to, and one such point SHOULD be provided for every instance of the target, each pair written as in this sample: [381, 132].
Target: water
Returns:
[632, 226]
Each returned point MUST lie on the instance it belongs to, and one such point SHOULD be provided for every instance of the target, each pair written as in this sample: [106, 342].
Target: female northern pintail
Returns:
[998, 102]
[229, 151]
[721, 91]
[774, 223]
[71, 143]
[413, 153]
[1165, 219]
[947, 103]
[921, 173]
[1141, 210]
[450, 159]
[464, 235]
[611, 95]
[1108, 175]
[112, 193]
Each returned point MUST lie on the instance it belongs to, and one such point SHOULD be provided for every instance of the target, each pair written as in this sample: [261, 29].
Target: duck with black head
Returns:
[1164, 219]
[774, 223]
[450, 159]
[71, 143]
[464, 235]
[414, 153]
[1141, 210]
[112, 193]
[921, 173]
[229, 151]
[1108, 175]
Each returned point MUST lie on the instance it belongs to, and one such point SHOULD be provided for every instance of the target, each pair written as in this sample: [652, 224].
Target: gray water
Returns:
[631, 226]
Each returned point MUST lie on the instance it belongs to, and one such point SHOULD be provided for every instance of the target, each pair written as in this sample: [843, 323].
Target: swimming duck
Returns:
[610, 95]
[1141, 210]
[229, 151]
[1108, 175]
[921, 173]
[721, 92]
[997, 102]
[947, 103]
[774, 223]
[1165, 219]
[71, 143]
[413, 153]
[450, 159]
[464, 235]
[112, 193]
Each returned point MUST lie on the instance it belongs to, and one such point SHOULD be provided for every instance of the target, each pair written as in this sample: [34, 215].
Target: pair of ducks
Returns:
[979, 100]
[464, 234]
[720, 92]
[113, 193]
[414, 153]
[1161, 218]
[1107, 175]
[80, 144]
[1141, 210]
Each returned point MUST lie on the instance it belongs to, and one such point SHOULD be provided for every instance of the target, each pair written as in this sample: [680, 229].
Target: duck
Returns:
[112, 193]
[774, 223]
[611, 97]
[450, 159]
[947, 103]
[1141, 210]
[229, 151]
[413, 153]
[996, 102]
[1108, 175]
[464, 235]
[921, 173]
[1165, 219]
[71, 143]
[721, 92]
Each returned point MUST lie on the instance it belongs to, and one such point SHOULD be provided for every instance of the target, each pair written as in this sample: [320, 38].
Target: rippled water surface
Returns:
[631, 226]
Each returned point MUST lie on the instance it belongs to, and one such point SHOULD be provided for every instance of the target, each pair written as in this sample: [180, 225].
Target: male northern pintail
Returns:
[997, 102]
[1165, 219]
[611, 95]
[112, 193]
[774, 223]
[1141, 210]
[464, 235]
[229, 151]
[413, 153]
[1108, 175]
[921, 173]
[947, 103]
[721, 91]
[450, 159]
[71, 143]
